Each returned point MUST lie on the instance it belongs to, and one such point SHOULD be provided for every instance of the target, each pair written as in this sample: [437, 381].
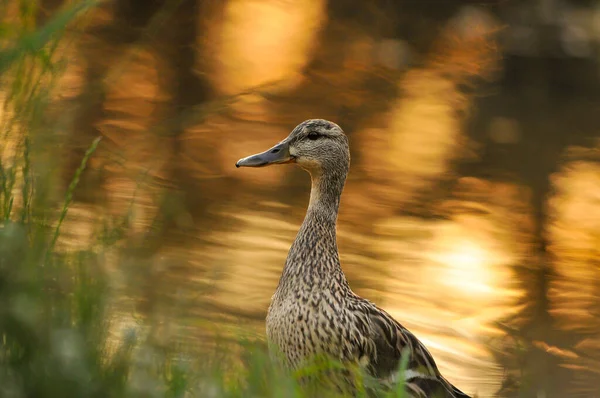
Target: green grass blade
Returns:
[400, 389]
[34, 42]
[69, 194]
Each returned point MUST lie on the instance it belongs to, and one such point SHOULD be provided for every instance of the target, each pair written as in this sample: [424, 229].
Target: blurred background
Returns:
[471, 212]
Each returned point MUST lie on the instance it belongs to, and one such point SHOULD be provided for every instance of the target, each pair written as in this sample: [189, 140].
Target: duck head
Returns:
[318, 146]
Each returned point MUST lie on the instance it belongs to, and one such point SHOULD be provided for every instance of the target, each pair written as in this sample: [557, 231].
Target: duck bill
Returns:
[279, 154]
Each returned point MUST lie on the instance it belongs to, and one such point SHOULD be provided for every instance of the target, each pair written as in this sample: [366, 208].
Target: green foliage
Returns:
[36, 43]
[70, 190]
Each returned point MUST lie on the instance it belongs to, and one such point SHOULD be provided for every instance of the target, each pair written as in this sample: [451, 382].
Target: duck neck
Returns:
[313, 259]
[325, 194]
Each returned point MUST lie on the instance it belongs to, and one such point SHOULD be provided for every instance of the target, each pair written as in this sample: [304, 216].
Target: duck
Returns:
[313, 310]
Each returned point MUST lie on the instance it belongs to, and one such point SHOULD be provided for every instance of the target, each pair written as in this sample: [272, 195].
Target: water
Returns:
[471, 209]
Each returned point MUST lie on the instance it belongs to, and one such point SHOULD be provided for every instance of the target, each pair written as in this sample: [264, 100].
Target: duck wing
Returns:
[388, 341]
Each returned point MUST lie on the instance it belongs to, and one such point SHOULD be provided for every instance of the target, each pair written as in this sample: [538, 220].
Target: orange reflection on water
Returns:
[259, 42]
[575, 242]
[466, 267]
[450, 281]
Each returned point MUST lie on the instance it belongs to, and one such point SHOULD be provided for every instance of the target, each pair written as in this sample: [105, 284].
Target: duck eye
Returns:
[314, 136]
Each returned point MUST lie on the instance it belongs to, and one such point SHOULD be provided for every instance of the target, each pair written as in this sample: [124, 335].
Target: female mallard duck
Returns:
[313, 310]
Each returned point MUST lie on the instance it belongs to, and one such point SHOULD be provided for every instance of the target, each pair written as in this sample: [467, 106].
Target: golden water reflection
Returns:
[271, 46]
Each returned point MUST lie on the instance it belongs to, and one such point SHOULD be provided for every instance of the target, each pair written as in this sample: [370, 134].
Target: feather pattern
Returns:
[313, 310]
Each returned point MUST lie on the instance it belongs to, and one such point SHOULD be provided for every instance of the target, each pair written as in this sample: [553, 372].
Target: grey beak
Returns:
[279, 154]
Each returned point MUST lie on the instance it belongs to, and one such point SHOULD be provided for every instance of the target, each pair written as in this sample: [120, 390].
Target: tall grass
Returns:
[55, 312]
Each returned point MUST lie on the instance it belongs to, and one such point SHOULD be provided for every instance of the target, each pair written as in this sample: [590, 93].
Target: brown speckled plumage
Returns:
[313, 310]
